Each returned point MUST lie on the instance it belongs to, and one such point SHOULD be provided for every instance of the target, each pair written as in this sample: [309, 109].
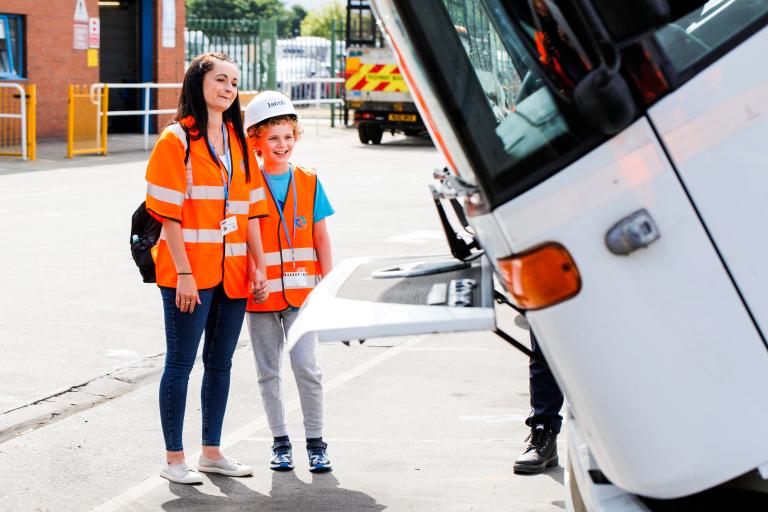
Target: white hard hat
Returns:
[265, 105]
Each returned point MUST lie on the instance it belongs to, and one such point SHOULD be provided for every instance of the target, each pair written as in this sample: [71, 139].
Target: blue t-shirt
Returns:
[278, 185]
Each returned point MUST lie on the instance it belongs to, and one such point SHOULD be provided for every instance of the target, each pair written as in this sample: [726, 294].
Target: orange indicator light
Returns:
[541, 277]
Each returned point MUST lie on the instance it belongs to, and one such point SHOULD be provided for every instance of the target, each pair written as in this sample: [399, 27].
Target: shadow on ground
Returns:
[288, 493]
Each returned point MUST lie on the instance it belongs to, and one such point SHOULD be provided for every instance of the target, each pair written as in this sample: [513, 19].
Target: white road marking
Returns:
[127, 499]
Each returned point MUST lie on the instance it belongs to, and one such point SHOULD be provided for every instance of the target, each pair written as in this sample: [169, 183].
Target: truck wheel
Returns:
[375, 133]
[576, 499]
[362, 133]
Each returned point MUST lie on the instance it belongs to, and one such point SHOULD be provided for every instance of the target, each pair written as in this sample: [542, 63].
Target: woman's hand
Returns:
[186, 293]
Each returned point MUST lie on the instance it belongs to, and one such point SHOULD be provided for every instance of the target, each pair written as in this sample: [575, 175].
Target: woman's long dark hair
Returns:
[192, 103]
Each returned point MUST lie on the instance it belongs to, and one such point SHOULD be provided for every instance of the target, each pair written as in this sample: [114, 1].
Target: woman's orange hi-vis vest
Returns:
[282, 292]
[193, 194]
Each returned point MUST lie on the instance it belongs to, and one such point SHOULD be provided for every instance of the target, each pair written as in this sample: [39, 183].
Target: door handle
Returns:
[633, 232]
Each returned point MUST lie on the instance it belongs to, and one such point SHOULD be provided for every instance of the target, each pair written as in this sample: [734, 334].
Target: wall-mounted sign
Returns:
[169, 24]
[94, 33]
[92, 57]
[80, 37]
[81, 11]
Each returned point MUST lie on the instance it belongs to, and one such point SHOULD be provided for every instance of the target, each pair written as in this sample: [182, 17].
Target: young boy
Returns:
[297, 252]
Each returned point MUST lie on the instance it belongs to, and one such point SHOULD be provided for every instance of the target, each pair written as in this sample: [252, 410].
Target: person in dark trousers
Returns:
[545, 420]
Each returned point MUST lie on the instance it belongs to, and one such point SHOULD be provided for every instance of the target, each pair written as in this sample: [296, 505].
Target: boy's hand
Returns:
[259, 288]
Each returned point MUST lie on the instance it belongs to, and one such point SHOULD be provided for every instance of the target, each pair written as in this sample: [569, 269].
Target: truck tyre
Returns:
[362, 133]
[375, 133]
[576, 499]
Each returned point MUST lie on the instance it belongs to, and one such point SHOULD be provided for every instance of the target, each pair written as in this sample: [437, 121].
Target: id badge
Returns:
[228, 225]
[297, 279]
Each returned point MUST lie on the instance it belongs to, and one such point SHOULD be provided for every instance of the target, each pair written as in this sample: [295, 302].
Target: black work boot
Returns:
[541, 452]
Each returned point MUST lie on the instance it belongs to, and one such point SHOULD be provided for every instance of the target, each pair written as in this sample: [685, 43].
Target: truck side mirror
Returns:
[604, 100]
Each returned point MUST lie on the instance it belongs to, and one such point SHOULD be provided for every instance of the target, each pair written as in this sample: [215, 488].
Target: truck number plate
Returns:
[411, 118]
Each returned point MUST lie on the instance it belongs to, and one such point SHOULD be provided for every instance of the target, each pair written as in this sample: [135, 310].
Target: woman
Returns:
[201, 187]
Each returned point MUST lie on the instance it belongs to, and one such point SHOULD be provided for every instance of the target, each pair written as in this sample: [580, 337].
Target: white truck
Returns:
[612, 167]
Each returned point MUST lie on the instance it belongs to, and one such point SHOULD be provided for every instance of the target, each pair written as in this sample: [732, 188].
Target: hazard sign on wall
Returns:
[81, 12]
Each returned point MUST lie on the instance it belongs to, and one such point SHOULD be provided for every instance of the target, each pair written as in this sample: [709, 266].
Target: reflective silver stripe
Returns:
[200, 236]
[276, 285]
[257, 195]
[304, 287]
[203, 236]
[235, 249]
[178, 131]
[206, 192]
[303, 254]
[239, 207]
[167, 195]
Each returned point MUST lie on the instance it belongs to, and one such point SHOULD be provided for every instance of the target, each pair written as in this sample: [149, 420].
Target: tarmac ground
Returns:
[424, 423]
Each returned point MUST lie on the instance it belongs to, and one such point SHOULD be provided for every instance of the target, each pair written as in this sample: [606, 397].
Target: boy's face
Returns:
[276, 144]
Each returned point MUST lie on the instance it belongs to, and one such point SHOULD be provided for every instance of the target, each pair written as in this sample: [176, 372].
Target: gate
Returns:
[17, 121]
[252, 44]
[87, 121]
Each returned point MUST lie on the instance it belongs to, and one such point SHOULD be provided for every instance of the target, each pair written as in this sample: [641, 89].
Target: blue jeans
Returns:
[546, 397]
[222, 319]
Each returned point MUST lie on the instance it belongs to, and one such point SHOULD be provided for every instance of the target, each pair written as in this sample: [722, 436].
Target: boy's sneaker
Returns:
[282, 456]
[223, 466]
[180, 474]
[318, 457]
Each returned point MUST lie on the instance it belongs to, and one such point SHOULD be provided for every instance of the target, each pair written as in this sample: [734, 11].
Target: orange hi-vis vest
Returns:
[284, 290]
[193, 194]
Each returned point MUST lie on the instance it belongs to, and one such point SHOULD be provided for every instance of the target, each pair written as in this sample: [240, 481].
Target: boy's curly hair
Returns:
[257, 130]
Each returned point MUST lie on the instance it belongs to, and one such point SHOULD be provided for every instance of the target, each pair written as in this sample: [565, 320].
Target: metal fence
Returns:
[304, 68]
[251, 44]
[17, 120]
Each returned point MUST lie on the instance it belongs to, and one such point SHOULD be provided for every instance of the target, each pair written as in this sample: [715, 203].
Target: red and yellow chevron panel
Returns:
[374, 77]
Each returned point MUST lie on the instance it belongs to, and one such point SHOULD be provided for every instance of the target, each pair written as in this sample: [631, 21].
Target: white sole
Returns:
[226, 472]
[172, 478]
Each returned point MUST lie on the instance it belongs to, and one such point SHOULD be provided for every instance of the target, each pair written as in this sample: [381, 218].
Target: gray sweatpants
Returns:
[267, 332]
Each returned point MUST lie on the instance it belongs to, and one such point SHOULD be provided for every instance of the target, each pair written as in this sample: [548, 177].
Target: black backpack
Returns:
[145, 231]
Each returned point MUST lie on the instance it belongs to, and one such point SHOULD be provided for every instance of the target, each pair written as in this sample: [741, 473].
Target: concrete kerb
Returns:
[61, 404]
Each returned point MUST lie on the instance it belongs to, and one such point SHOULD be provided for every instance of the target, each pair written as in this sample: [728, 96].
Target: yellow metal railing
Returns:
[17, 121]
[87, 121]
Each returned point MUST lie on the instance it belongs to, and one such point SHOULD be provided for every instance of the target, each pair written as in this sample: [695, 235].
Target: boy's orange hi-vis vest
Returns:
[193, 194]
[277, 253]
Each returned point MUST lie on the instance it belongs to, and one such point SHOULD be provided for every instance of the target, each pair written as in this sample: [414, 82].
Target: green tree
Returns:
[289, 24]
[318, 22]
[238, 9]
[288, 20]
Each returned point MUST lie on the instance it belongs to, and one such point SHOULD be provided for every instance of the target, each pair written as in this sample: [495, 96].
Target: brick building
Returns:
[54, 43]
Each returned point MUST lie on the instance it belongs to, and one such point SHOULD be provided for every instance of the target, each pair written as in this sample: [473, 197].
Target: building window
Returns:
[11, 47]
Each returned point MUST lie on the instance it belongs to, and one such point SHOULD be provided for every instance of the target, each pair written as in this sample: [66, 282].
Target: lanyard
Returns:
[292, 185]
[227, 161]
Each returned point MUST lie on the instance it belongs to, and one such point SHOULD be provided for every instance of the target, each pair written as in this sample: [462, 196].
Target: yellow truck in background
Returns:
[375, 89]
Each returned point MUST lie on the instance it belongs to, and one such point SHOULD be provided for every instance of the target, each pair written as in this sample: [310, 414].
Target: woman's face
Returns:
[220, 85]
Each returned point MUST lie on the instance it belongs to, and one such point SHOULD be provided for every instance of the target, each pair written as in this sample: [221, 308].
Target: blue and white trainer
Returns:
[282, 456]
[318, 457]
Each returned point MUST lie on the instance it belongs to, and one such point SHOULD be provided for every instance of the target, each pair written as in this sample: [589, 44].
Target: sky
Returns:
[308, 4]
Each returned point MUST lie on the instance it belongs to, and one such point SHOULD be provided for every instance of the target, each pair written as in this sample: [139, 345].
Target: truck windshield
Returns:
[520, 134]
[697, 38]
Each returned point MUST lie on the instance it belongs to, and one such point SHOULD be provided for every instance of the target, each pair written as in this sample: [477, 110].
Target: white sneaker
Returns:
[180, 474]
[224, 466]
